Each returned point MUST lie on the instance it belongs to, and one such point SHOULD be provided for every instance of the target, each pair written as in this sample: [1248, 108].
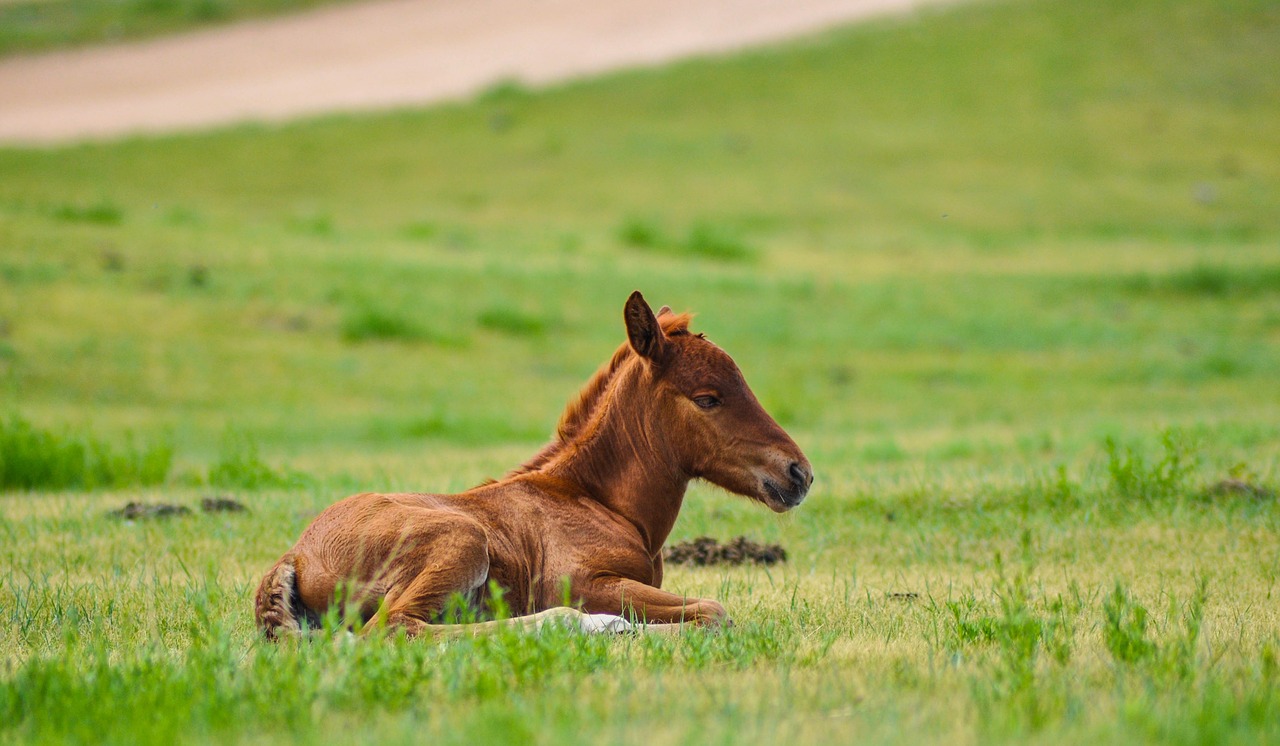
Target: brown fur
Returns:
[579, 410]
[589, 513]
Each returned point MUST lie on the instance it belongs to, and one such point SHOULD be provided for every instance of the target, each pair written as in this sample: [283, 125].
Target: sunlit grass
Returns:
[1057, 607]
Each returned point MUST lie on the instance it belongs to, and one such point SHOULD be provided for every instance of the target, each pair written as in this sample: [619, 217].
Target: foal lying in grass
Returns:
[588, 514]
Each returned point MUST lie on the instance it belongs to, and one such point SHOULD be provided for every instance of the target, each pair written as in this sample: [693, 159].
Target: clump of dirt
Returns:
[213, 504]
[134, 511]
[1240, 488]
[221, 504]
[705, 550]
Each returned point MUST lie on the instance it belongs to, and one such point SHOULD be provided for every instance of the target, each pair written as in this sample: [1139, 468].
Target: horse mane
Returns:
[580, 409]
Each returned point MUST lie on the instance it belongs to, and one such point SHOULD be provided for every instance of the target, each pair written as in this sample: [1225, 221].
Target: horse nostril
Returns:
[799, 474]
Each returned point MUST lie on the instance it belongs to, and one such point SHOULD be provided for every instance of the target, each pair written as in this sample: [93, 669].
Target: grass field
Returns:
[1008, 272]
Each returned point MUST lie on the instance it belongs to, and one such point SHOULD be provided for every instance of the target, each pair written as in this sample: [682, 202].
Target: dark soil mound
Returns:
[1239, 487]
[135, 511]
[221, 504]
[705, 550]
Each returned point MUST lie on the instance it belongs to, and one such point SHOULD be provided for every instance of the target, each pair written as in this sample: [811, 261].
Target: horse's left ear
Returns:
[643, 330]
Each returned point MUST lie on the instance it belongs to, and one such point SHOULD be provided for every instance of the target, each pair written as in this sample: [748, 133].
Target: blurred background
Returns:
[976, 236]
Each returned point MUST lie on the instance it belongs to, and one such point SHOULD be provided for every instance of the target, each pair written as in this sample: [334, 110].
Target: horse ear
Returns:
[643, 331]
[664, 311]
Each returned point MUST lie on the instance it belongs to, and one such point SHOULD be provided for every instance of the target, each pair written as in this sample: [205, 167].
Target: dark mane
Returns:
[581, 408]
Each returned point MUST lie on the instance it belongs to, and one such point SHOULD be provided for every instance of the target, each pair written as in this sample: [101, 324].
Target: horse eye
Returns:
[706, 402]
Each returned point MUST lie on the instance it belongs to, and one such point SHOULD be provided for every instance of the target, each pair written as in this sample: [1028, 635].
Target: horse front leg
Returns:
[657, 609]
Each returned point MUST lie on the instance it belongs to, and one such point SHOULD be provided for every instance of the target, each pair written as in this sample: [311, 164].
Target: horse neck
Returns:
[625, 464]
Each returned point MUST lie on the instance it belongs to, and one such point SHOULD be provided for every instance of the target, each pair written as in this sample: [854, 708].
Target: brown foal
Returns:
[584, 519]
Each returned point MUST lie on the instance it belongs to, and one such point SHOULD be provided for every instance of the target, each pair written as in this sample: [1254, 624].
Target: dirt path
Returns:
[378, 55]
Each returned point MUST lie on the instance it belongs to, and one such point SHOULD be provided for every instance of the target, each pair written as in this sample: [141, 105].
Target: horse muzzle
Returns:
[782, 496]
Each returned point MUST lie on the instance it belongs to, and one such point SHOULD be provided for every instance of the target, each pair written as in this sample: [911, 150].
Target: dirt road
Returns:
[378, 55]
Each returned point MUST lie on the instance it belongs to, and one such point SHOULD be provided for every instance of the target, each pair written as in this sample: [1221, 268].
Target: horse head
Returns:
[713, 424]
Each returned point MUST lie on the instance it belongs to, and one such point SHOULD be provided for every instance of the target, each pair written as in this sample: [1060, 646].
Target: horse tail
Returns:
[277, 605]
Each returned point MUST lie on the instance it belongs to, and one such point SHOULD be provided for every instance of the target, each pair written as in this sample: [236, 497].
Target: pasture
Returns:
[1008, 272]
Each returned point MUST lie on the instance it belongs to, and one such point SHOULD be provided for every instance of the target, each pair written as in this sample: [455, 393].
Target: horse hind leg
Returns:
[457, 562]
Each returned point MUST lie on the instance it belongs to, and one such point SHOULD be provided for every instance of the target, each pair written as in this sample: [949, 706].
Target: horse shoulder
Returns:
[575, 535]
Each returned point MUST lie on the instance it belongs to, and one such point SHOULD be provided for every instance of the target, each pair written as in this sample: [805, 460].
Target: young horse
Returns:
[586, 517]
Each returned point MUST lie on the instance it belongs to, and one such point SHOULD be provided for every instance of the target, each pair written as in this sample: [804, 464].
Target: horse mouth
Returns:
[780, 500]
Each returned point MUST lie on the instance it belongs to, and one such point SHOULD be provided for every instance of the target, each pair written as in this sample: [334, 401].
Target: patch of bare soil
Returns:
[221, 504]
[1240, 488]
[705, 550]
[135, 511]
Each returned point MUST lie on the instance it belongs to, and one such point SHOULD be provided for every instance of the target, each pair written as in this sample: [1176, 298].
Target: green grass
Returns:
[241, 467]
[31, 458]
[998, 613]
[704, 240]
[512, 321]
[39, 25]
[1007, 272]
